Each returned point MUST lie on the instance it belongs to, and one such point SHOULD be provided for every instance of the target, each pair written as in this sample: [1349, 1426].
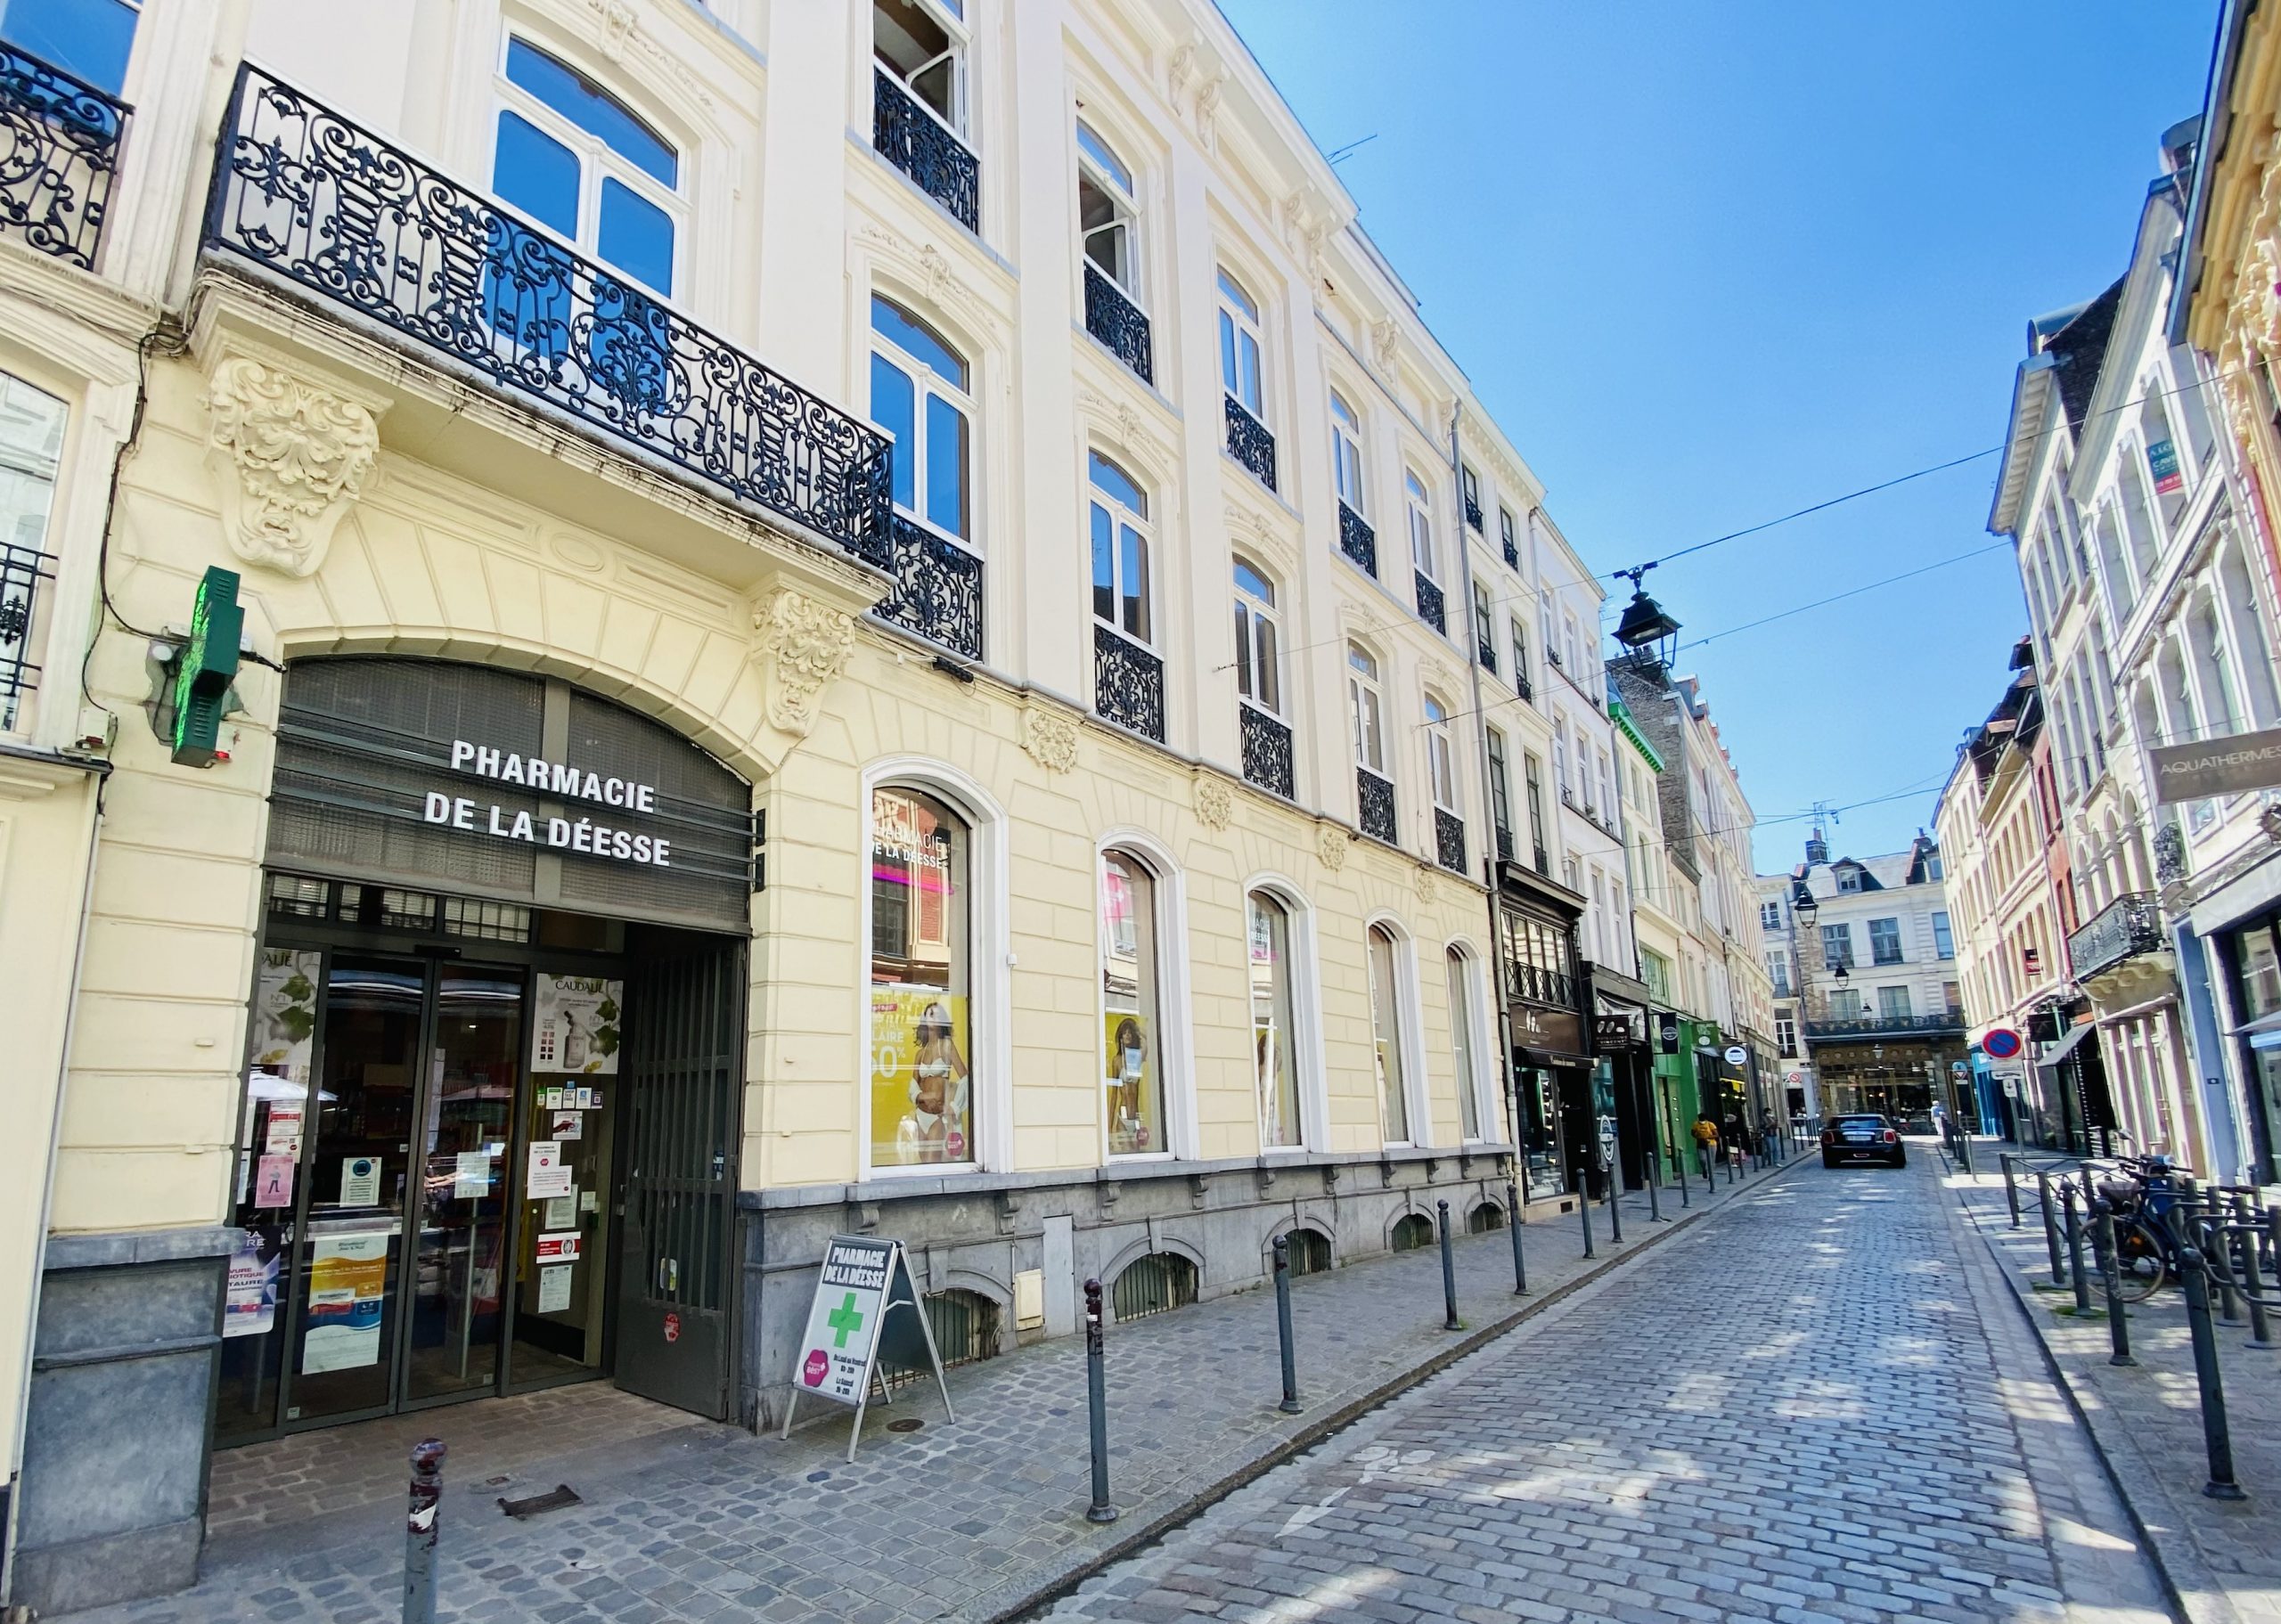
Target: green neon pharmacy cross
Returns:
[844, 1320]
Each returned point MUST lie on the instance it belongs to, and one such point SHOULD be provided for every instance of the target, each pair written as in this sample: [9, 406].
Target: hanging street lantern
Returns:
[1649, 634]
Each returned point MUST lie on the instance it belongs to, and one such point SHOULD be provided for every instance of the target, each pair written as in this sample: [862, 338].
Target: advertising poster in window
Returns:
[348, 1279]
[1133, 1127]
[250, 1307]
[921, 1094]
[285, 1015]
[575, 1025]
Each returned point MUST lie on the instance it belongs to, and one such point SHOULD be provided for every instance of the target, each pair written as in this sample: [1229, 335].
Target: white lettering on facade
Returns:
[560, 778]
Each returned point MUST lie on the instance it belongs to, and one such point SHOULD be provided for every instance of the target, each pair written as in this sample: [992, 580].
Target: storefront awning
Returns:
[2057, 1057]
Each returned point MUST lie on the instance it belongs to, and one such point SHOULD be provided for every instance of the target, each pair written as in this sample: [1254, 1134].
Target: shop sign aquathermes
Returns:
[562, 779]
[2217, 766]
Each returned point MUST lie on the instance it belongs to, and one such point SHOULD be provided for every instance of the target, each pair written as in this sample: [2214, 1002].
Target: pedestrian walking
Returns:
[1706, 1141]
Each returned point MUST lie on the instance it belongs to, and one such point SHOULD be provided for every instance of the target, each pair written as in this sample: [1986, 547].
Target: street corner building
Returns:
[603, 677]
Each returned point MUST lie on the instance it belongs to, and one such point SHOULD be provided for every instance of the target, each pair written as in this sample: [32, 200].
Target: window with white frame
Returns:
[1777, 971]
[1239, 346]
[919, 395]
[1484, 629]
[1519, 638]
[1346, 452]
[1259, 637]
[1509, 532]
[1388, 1029]
[1133, 1028]
[1500, 789]
[1769, 915]
[922, 1105]
[1368, 703]
[1470, 483]
[1786, 1036]
[1120, 549]
[1441, 762]
[1273, 1026]
[1534, 776]
[922, 45]
[1421, 526]
[1460, 975]
[576, 158]
[31, 452]
[1107, 211]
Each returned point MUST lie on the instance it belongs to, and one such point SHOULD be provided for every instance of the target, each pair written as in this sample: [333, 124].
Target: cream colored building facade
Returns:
[563, 457]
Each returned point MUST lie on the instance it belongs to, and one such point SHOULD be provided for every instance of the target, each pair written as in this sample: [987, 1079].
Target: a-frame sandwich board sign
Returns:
[866, 1311]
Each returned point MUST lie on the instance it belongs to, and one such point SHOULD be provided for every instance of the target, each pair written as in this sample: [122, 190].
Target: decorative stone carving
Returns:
[1423, 880]
[1330, 845]
[929, 269]
[1385, 339]
[1050, 738]
[806, 644]
[1214, 805]
[290, 457]
[1207, 109]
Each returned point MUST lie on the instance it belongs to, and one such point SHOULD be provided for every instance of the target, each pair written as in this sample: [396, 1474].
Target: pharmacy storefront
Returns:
[488, 1137]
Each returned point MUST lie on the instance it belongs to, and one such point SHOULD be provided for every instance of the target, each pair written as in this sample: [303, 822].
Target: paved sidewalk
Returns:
[2222, 1559]
[974, 1521]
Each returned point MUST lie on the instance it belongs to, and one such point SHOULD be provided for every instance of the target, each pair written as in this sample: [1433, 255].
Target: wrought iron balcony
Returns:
[2126, 927]
[1485, 652]
[1374, 796]
[911, 138]
[1504, 845]
[1449, 840]
[1118, 322]
[1267, 751]
[1473, 513]
[937, 591]
[1357, 540]
[1512, 554]
[1429, 604]
[1543, 864]
[1522, 686]
[22, 571]
[308, 197]
[1249, 442]
[1876, 1028]
[1539, 986]
[59, 154]
[1128, 683]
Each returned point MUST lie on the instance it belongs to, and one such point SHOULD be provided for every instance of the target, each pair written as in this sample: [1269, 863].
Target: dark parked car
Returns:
[1862, 1139]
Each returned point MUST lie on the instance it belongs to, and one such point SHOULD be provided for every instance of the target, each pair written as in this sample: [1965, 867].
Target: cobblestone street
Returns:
[1821, 1409]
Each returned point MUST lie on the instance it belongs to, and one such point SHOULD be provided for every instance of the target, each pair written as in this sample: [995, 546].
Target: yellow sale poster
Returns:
[1128, 1076]
[922, 1095]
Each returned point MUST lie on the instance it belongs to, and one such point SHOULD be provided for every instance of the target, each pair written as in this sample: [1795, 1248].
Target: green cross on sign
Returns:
[844, 1320]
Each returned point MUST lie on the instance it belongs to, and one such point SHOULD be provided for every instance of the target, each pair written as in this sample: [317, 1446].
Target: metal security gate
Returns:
[685, 1013]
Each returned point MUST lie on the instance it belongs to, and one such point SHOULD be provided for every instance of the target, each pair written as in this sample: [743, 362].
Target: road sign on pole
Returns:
[2001, 1043]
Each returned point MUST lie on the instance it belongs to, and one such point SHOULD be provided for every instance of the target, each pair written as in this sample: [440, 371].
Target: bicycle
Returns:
[2141, 1198]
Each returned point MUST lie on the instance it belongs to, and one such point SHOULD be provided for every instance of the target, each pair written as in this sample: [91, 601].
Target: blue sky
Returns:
[1708, 264]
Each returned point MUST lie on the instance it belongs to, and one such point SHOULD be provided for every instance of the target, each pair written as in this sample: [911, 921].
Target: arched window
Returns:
[1441, 760]
[1368, 707]
[921, 45]
[1309, 1250]
[1460, 972]
[1132, 1032]
[1239, 346]
[1387, 1036]
[1273, 1028]
[1484, 1219]
[1346, 452]
[1120, 525]
[577, 160]
[1259, 639]
[919, 395]
[921, 1032]
[1108, 213]
[1421, 526]
[1156, 1284]
[1412, 1232]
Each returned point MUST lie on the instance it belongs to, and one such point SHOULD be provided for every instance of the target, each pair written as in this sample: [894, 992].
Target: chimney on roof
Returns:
[1817, 848]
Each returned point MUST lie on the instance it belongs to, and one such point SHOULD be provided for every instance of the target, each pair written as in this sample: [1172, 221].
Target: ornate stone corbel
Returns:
[1214, 805]
[804, 645]
[1330, 845]
[1050, 738]
[289, 457]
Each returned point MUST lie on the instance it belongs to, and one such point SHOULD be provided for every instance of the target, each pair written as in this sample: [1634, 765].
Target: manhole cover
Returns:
[554, 1499]
[909, 1423]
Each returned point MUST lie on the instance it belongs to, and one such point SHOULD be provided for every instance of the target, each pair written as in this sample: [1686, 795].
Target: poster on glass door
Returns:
[575, 1025]
[348, 1279]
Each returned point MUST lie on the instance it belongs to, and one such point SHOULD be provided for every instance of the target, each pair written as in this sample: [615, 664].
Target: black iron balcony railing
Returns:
[1485, 652]
[1374, 797]
[1543, 864]
[1357, 540]
[937, 591]
[1866, 1028]
[22, 571]
[59, 154]
[2126, 927]
[1504, 845]
[1113, 318]
[1539, 986]
[1449, 840]
[1267, 752]
[1512, 554]
[1250, 442]
[1523, 687]
[307, 196]
[1473, 513]
[1429, 604]
[910, 136]
[1128, 683]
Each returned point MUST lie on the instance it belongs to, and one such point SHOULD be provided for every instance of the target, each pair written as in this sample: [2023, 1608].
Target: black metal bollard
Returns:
[1614, 1207]
[1097, 1407]
[1655, 1177]
[1964, 1148]
[1585, 1213]
[1679, 1161]
[420, 1532]
[1513, 1222]
[2011, 1187]
[2217, 1438]
[1290, 1405]
[2067, 1197]
[2252, 1272]
[1449, 1268]
[2050, 1227]
[2118, 1322]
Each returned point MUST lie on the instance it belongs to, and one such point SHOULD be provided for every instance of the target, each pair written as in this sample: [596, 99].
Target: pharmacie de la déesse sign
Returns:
[562, 780]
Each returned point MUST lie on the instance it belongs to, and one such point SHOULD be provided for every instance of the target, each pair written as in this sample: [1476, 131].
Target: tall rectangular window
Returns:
[923, 1107]
[1836, 946]
[1943, 944]
[1130, 1031]
[1786, 1036]
[1385, 1033]
[1778, 968]
[1461, 1044]
[1500, 808]
[1535, 774]
[1892, 1003]
[1272, 1027]
[1884, 941]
